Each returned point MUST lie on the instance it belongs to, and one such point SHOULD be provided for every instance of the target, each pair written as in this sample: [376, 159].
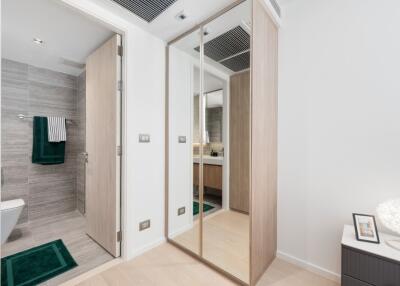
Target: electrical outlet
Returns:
[144, 225]
[144, 138]
[182, 139]
[181, 211]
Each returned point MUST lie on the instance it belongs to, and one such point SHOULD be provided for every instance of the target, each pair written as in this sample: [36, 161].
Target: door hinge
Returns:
[120, 85]
[119, 150]
[120, 51]
[119, 236]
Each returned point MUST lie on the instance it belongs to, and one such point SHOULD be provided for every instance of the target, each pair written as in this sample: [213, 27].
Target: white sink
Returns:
[209, 160]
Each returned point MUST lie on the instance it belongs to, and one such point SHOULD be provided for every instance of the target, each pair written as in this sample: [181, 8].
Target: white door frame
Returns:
[94, 12]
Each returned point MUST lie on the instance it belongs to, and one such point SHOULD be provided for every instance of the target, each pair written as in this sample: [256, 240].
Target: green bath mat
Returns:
[196, 208]
[36, 265]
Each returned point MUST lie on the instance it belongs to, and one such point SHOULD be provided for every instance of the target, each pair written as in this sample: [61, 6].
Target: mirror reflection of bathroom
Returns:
[214, 129]
[48, 123]
[209, 173]
[227, 54]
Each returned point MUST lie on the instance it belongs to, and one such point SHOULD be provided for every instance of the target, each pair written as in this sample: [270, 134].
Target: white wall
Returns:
[144, 109]
[339, 121]
[181, 77]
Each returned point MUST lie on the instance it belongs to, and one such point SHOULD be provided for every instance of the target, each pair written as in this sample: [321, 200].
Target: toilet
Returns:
[10, 212]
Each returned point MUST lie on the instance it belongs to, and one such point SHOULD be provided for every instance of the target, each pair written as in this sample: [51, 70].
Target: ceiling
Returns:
[66, 34]
[284, 2]
[165, 26]
[72, 36]
[240, 17]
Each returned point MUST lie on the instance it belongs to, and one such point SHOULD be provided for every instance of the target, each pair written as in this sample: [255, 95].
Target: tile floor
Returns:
[69, 227]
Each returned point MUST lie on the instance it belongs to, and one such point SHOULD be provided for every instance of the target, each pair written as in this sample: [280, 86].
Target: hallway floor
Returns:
[168, 266]
[70, 228]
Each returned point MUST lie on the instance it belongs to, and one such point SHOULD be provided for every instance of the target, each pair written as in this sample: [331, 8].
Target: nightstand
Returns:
[368, 264]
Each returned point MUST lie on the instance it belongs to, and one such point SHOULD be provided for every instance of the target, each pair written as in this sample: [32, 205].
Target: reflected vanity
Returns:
[211, 205]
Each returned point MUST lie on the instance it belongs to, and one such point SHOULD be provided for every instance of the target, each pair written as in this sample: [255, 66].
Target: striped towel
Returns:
[56, 129]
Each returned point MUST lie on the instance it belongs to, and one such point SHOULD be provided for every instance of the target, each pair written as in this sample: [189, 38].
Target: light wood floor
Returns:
[168, 266]
[225, 242]
[70, 228]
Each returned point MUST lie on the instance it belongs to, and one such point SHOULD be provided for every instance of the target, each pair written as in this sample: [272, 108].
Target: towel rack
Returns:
[22, 116]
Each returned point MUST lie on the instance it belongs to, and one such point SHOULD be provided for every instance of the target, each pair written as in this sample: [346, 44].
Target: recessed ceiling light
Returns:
[181, 16]
[38, 41]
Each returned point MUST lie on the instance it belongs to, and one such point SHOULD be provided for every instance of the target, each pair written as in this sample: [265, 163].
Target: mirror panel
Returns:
[226, 149]
[184, 133]
[209, 141]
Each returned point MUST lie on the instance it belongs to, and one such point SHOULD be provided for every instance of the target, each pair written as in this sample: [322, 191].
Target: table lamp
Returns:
[389, 214]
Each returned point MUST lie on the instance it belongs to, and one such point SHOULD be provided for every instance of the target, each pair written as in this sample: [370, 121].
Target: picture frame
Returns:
[365, 228]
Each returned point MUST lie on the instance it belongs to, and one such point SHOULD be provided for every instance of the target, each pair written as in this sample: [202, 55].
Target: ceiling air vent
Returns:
[238, 63]
[226, 45]
[148, 10]
[229, 49]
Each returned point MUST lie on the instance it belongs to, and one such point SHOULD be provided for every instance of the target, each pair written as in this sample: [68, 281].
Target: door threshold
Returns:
[85, 276]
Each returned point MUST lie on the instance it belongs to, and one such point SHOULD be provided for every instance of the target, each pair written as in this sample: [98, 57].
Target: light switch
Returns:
[144, 225]
[144, 138]
[181, 211]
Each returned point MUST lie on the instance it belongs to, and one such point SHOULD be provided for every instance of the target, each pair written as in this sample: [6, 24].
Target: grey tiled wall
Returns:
[214, 124]
[47, 190]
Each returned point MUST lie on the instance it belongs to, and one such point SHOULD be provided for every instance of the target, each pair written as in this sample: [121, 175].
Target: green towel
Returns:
[43, 151]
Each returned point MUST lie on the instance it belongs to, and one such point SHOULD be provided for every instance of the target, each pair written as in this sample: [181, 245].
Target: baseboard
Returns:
[148, 247]
[309, 266]
[181, 230]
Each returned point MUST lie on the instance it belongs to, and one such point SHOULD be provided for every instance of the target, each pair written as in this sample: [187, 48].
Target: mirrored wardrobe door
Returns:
[184, 141]
[226, 149]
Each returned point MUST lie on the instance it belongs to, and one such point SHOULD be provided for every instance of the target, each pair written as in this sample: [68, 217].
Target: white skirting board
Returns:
[181, 230]
[148, 247]
[309, 266]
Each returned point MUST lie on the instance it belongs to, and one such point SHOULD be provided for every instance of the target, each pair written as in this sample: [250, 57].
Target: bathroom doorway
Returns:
[58, 64]
[215, 133]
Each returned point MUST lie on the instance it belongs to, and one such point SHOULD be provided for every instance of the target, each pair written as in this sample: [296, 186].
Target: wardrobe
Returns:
[233, 227]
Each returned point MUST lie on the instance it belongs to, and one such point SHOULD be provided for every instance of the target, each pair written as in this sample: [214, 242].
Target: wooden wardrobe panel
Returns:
[263, 141]
[196, 174]
[239, 142]
[213, 176]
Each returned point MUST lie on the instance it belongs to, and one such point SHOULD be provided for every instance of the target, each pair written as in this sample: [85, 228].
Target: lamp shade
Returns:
[389, 214]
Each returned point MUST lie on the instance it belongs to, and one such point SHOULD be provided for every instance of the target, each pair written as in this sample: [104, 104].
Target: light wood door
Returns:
[239, 141]
[264, 100]
[102, 140]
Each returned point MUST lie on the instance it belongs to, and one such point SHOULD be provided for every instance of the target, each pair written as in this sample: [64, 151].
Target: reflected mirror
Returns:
[184, 133]
[209, 141]
[225, 234]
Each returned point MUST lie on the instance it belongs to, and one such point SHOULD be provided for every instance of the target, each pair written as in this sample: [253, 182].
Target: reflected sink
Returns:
[207, 159]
